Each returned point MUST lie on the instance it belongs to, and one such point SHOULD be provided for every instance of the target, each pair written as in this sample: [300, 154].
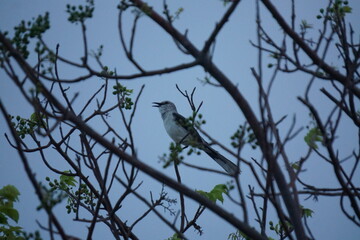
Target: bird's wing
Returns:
[195, 140]
[187, 125]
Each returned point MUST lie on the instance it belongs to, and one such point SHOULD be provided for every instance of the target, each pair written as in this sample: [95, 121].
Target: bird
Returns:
[179, 129]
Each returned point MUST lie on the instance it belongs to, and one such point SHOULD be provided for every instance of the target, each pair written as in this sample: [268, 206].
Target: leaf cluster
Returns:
[8, 195]
[238, 235]
[174, 237]
[244, 135]
[280, 229]
[123, 94]
[84, 195]
[66, 184]
[337, 10]
[197, 122]
[26, 31]
[51, 197]
[25, 126]
[78, 14]
[173, 157]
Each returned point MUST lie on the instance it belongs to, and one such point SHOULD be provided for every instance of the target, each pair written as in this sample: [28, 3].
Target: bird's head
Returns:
[165, 106]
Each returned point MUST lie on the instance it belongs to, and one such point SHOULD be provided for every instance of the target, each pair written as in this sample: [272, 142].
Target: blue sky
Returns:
[234, 56]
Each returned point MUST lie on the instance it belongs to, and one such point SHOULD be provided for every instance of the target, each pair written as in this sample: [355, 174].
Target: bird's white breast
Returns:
[177, 133]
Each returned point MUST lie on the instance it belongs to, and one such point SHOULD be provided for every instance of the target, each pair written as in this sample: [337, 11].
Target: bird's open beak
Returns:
[156, 104]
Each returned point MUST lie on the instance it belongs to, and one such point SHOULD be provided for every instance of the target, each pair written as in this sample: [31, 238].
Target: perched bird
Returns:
[184, 133]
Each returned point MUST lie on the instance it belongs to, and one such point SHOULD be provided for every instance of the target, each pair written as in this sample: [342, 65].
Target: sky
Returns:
[233, 54]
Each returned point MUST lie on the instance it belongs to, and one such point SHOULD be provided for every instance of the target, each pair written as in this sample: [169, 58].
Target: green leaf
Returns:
[238, 235]
[3, 219]
[11, 212]
[313, 136]
[36, 118]
[216, 193]
[305, 25]
[10, 193]
[68, 180]
[307, 212]
[295, 165]
[203, 193]
[15, 229]
[347, 9]
[11, 233]
[174, 237]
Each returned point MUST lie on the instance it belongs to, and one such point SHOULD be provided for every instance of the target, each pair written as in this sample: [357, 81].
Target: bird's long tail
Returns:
[225, 163]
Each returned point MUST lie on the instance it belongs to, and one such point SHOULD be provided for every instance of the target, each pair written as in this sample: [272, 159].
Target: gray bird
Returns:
[184, 133]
